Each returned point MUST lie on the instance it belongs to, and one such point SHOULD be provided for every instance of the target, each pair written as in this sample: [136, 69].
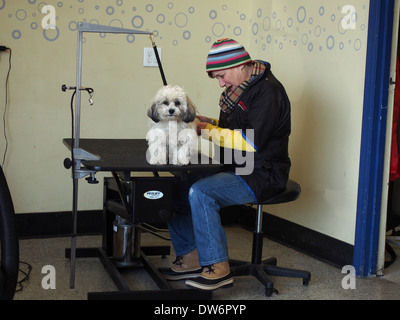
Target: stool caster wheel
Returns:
[306, 281]
[270, 291]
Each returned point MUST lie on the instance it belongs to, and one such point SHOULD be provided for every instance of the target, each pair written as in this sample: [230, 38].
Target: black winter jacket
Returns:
[264, 107]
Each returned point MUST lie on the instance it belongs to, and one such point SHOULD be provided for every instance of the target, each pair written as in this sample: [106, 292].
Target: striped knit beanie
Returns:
[225, 54]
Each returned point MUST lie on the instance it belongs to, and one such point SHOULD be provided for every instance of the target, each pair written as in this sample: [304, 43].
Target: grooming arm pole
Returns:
[158, 59]
[79, 154]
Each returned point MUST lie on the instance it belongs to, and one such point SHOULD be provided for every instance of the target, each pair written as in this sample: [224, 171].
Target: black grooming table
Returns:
[129, 155]
[124, 157]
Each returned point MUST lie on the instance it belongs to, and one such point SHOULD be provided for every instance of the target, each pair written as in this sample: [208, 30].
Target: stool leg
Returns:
[286, 272]
[257, 248]
[258, 237]
[261, 276]
[259, 218]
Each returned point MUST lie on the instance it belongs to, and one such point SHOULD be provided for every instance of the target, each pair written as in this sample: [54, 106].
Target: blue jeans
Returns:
[196, 221]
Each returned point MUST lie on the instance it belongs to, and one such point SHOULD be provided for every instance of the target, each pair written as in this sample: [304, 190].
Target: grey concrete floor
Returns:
[90, 276]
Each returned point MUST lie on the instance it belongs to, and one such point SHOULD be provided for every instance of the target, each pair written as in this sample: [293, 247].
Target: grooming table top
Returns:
[129, 155]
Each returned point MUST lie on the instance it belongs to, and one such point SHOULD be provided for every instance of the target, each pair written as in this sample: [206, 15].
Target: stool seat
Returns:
[291, 193]
[262, 269]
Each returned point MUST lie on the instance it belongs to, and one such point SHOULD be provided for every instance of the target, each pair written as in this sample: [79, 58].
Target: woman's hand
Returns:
[204, 119]
[202, 123]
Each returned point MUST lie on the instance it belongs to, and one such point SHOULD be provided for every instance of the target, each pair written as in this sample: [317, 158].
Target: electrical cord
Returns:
[90, 92]
[5, 108]
[72, 136]
[26, 274]
[68, 163]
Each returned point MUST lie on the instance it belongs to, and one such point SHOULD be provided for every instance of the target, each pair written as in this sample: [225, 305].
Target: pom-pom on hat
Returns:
[226, 54]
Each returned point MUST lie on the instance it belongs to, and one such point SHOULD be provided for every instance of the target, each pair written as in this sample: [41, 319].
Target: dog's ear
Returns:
[190, 113]
[152, 112]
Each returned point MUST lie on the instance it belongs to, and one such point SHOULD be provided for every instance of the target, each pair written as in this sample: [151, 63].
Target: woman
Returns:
[254, 123]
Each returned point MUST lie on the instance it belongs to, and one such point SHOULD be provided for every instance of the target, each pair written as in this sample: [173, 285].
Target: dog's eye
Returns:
[166, 103]
[177, 103]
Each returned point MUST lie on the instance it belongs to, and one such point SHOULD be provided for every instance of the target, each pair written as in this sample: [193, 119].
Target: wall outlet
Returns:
[149, 58]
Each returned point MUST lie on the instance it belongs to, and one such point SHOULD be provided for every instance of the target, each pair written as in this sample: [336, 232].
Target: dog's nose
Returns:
[171, 111]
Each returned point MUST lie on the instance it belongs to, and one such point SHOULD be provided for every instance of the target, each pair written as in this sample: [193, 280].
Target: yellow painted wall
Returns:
[321, 65]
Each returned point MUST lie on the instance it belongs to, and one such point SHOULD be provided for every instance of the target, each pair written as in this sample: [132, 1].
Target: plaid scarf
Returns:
[229, 98]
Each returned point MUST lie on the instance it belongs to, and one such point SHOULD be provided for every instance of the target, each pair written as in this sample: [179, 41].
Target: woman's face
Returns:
[231, 78]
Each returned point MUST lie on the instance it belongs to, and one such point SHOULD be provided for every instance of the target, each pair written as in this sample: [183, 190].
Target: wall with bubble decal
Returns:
[158, 16]
[320, 28]
[316, 47]
[268, 28]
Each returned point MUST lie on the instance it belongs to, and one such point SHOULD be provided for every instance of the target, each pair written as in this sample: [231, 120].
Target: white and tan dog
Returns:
[172, 136]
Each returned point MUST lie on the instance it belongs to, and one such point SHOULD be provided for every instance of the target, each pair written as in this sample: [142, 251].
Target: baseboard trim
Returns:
[316, 244]
[310, 242]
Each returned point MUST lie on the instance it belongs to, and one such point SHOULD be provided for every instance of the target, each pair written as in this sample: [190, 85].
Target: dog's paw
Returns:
[183, 156]
[156, 161]
[152, 161]
[183, 162]
[156, 157]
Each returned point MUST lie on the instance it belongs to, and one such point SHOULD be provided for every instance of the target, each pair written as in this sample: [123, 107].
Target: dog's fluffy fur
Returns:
[172, 136]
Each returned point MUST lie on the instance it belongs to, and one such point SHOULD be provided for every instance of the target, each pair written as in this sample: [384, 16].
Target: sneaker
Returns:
[213, 277]
[184, 267]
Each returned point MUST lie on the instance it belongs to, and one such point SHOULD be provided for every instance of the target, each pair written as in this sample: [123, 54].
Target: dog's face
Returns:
[171, 103]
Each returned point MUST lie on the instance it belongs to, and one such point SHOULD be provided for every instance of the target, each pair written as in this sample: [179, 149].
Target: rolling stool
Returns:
[261, 269]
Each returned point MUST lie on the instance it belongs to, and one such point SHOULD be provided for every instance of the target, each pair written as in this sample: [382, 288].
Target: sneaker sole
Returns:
[180, 275]
[205, 284]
